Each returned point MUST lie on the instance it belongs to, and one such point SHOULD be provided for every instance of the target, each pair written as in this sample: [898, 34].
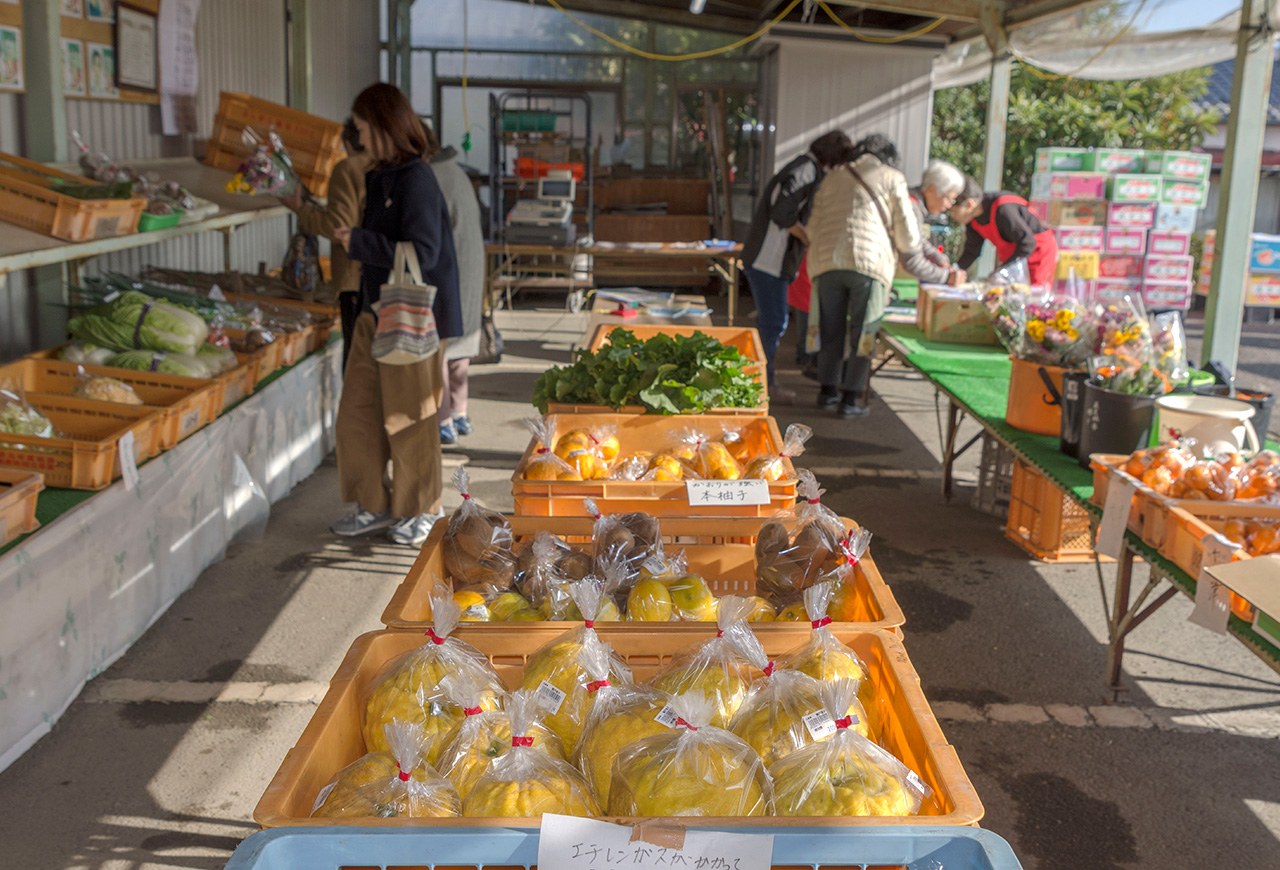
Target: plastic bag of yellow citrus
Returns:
[525, 781]
[774, 468]
[631, 466]
[620, 716]
[710, 458]
[823, 656]
[692, 769]
[847, 774]
[543, 464]
[408, 687]
[561, 682]
[600, 443]
[846, 604]
[720, 667]
[476, 548]
[483, 736]
[690, 596]
[632, 537]
[394, 784]
[797, 545]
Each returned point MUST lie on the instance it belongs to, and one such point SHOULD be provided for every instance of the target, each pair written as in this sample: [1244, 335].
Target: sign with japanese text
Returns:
[722, 493]
[570, 843]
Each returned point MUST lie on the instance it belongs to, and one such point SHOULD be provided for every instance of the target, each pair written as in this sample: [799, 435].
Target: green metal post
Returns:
[993, 157]
[1238, 188]
[404, 53]
[300, 75]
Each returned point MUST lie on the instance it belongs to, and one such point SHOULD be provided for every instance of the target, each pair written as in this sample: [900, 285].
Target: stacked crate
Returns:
[1263, 290]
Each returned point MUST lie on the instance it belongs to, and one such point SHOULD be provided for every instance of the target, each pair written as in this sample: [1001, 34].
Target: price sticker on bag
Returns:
[128, 460]
[1115, 517]
[549, 697]
[666, 717]
[726, 493]
[820, 724]
[1213, 600]
[216, 294]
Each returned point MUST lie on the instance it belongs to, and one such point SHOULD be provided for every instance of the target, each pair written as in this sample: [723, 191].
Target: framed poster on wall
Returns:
[103, 11]
[73, 77]
[137, 63]
[10, 59]
[73, 8]
[102, 70]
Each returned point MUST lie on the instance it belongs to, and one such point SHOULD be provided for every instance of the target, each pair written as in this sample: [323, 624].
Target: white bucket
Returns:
[1219, 425]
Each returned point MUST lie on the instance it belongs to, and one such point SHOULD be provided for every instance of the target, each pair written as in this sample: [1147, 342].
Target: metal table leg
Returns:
[954, 415]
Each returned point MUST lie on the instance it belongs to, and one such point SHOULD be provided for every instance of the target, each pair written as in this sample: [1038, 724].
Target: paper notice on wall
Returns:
[179, 67]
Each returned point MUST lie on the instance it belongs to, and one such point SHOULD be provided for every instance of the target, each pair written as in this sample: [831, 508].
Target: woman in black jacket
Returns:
[388, 412]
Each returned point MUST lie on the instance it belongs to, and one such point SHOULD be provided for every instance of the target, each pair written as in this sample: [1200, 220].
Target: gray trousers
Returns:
[843, 297]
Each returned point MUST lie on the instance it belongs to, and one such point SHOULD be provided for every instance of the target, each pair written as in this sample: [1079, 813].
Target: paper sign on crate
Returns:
[571, 843]
[1213, 599]
[1115, 517]
[712, 493]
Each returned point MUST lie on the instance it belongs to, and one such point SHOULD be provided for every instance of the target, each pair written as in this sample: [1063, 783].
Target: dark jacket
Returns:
[404, 204]
[795, 185]
[1015, 223]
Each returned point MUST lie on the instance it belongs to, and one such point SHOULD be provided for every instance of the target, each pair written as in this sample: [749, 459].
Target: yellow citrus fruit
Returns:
[608, 448]
[847, 605]
[504, 606]
[604, 736]
[649, 601]
[761, 610]
[713, 778]
[725, 682]
[477, 741]
[575, 439]
[692, 598]
[557, 663]
[718, 462]
[771, 719]
[370, 788]
[665, 467]
[562, 791]
[587, 464]
[847, 786]
[473, 607]
[793, 613]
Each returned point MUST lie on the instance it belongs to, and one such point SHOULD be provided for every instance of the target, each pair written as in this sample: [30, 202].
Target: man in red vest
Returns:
[1006, 220]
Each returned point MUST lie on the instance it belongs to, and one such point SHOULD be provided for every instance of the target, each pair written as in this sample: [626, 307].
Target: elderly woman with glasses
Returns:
[937, 192]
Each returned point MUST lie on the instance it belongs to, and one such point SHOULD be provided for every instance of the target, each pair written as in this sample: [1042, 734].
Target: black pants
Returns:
[348, 309]
[843, 297]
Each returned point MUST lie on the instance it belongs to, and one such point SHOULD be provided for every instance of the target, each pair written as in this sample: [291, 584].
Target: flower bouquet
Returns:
[1138, 355]
[1056, 332]
[267, 170]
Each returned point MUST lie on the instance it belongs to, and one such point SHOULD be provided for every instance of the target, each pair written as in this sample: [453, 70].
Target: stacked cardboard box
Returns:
[1264, 270]
[1123, 218]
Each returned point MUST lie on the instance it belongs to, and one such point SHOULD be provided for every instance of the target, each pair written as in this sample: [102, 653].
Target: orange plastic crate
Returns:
[1188, 523]
[85, 454]
[237, 384]
[720, 550]
[652, 432]
[19, 491]
[899, 716]
[1045, 521]
[30, 199]
[314, 143]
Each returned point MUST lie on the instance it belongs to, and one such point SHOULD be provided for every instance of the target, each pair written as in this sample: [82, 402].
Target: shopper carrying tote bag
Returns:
[406, 324]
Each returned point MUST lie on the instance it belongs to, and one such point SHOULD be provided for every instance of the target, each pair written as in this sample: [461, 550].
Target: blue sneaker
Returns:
[448, 434]
[463, 425]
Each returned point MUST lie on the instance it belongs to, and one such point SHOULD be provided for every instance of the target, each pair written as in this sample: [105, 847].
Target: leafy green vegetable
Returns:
[181, 364]
[667, 374]
[135, 320]
[218, 359]
[19, 418]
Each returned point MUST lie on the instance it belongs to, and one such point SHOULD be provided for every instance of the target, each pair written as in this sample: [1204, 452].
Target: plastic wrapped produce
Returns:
[1205, 480]
[20, 417]
[710, 458]
[133, 320]
[86, 353]
[511, 606]
[720, 667]
[823, 656]
[544, 568]
[397, 783]
[773, 468]
[845, 605]
[183, 365]
[620, 716]
[526, 781]
[634, 537]
[784, 711]
[544, 464]
[483, 736]
[100, 388]
[633, 466]
[472, 607]
[218, 359]
[1162, 466]
[692, 769]
[558, 673]
[477, 544]
[847, 774]
[797, 545]
[590, 452]
[408, 688]
[690, 596]
[1260, 476]
[667, 467]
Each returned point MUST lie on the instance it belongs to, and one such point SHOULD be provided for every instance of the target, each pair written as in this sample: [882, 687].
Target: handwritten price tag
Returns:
[1115, 517]
[1213, 600]
[128, 460]
[569, 843]
[723, 493]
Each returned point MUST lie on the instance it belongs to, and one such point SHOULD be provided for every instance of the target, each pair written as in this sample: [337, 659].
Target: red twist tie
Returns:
[544, 450]
[588, 623]
[769, 669]
[719, 632]
[404, 775]
[466, 496]
[472, 711]
[811, 500]
[596, 685]
[848, 550]
[435, 638]
[818, 623]
[521, 741]
[680, 721]
[846, 722]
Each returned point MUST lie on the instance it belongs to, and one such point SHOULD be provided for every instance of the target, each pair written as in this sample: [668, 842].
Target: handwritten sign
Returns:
[724, 493]
[1213, 600]
[570, 843]
[128, 460]
[1115, 517]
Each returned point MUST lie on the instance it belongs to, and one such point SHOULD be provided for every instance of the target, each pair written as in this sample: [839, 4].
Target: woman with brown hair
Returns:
[389, 412]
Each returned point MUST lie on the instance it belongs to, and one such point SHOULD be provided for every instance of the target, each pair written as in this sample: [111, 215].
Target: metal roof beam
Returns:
[658, 14]
[1028, 14]
[957, 10]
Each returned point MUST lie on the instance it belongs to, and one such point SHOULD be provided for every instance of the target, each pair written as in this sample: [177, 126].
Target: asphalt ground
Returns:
[160, 762]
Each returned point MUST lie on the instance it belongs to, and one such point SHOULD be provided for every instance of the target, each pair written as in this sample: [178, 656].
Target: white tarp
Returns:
[75, 596]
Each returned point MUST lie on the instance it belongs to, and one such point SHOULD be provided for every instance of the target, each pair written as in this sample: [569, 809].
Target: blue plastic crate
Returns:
[335, 848]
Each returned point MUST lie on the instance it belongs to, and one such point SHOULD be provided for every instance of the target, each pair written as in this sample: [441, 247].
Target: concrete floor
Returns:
[160, 762]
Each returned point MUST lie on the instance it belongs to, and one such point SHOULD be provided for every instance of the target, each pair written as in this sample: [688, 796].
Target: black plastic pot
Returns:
[1072, 411]
[1113, 422]
[1261, 401]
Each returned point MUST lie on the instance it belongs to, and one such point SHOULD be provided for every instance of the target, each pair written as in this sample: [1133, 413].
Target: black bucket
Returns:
[1072, 411]
[1261, 401]
[1113, 422]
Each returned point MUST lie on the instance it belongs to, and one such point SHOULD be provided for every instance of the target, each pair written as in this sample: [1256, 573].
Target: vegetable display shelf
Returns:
[337, 848]
[237, 384]
[898, 714]
[29, 197]
[720, 550]
[18, 493]
[85, 452]
[653, 433]
[325, 317]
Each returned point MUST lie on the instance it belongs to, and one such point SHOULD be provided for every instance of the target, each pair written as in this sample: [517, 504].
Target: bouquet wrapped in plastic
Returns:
[267, 170]
[485, 735]
[823, 656]
[544, 464]
[477, 544]
[1007, 310]
[773, 468]
[396, 783]
[1130, 358]
[721, 667]
[692, 769]
[526, 781]
[1056, 332]
[408, 688]
[847, 774]
[620, 716]
[563, 675]
[798, 545]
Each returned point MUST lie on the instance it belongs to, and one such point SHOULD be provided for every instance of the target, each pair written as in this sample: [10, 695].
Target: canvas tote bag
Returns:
[406, 331]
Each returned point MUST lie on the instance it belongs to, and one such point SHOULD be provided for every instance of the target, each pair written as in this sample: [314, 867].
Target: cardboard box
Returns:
[1111, 291]
[1263, 290]
[1083, 263]
[1210, 239]
[1135, 188]
[1157, 268]
[1120, 266]
[1187, 165]
[1084, 213]
[1205, 278]
[1115, 160]
[1079, 238]
[1072, 186]
[1175, 218]
[1137, 215]
[943, 314]
[1264, 255]
[1124, 240]
[1185, 192]
[1080, 288]
[1168, 244]
[1060, 159]
[1166, 295]
[1039, 208]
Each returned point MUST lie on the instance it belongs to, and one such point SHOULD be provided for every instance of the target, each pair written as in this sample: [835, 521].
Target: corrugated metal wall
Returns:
[338, 72]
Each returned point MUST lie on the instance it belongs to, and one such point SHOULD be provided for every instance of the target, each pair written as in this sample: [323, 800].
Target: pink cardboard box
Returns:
[1180, 269]
[1120, 266]
[1138, 215]
[1082, 239]
[1166, 295]
[1168, 244]
[1111, 291]
[1125, 240]
[1071, 186]
[1039, 208]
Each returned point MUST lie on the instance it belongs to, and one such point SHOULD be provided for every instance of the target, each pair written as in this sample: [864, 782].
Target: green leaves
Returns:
[667, 374]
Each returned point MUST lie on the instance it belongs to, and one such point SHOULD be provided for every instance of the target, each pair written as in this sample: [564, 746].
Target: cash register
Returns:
[547, 220]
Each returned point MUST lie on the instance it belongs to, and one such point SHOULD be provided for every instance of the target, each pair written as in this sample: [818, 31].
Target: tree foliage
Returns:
[1156, 113]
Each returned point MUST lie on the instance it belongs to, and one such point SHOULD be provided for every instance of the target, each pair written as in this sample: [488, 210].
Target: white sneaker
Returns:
[360, 522]
[412, 531]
